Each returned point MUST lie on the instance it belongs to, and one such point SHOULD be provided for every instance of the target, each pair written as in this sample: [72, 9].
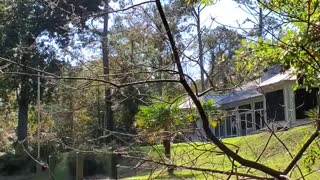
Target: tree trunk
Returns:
[160, 85]
[260, 32]
[23, 102]
[197, 14]
[108, 121]
[108, 118]
[70, 119]
[167, 151]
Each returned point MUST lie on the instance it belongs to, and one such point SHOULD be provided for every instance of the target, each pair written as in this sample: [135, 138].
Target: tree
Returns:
[264, 21]
[138, 46]
[24, 24]
[221, 44]
[19, 45]
[296, 48]
[76, 109]
[161, 120]
[196, 11]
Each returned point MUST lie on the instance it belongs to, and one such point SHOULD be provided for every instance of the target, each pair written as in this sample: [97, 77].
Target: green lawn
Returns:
[206, 155]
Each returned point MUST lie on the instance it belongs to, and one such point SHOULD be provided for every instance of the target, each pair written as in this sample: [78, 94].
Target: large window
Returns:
[249, 120]
[245, 113]
[243, 124]
[221, 126]
[217, 130]
[275, 106]
[234, 126]
[259, 115]
[305, 100]
[231, 127]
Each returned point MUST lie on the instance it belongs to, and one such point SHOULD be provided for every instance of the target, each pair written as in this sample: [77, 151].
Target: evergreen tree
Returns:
[24, 25]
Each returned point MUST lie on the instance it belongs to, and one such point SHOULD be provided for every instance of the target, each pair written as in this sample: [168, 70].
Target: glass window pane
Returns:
[243, 124]
[233, 125]
[262, 117]
[257, 116]
[249, 120]
[221, 130]
[217, 130]
[275, 105]
[258, 105]
[228, 126]
[244, 108]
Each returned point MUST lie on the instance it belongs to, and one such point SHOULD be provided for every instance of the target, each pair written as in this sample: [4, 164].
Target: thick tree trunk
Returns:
[108, 119]
[167, 151]
[23, 102]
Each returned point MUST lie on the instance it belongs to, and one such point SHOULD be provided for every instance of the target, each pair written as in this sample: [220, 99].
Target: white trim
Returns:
[238, 122]
[289, 104]
[275, 87]
[265, 109]
[285, 103]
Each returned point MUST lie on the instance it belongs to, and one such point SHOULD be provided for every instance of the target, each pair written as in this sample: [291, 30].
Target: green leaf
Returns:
[214, 123]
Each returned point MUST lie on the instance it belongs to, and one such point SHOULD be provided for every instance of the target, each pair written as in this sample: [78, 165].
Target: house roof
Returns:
[251, 89]
[278, 78]
[236, 96]
[248, 90]
[188, 103]
[217, 97]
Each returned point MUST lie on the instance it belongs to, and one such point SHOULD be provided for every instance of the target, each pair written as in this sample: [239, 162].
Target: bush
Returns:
[16, 164]
[94, 164]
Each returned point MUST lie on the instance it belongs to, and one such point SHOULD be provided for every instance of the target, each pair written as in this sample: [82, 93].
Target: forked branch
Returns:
[205, 122]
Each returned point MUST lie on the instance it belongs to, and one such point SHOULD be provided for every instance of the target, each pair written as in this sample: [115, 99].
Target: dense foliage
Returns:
[296, 47]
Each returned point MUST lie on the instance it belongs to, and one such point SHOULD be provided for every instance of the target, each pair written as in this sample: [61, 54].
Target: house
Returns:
[271, 99]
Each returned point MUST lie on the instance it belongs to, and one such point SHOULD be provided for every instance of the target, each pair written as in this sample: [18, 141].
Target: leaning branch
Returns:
[205, 122]
[97, 80]
[195, 168]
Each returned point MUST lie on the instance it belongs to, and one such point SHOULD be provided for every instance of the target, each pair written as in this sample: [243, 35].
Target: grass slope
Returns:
[205, 155]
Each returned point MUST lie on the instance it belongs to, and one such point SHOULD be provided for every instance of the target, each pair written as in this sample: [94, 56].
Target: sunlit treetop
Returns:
[203, 2]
